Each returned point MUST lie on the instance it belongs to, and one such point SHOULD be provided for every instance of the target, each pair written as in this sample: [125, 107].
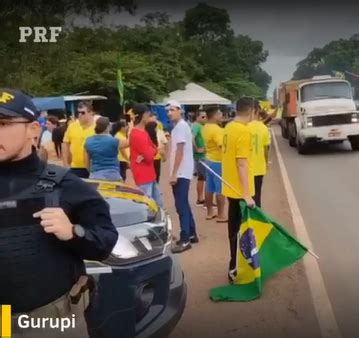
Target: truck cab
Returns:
[321, 109]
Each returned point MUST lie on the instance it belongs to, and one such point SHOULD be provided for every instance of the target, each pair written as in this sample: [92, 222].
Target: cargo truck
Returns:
[321, 109]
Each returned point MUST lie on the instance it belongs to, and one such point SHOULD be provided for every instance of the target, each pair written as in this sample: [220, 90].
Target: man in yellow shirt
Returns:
[260, 149]
[237, 172]
[75, 138]
[212, 135]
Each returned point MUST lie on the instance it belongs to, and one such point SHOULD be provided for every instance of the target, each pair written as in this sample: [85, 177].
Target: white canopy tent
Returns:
[194, 94]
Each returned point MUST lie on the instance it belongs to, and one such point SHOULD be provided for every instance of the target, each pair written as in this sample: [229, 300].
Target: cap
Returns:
[14, 103]
[139, 109]
[173, 103]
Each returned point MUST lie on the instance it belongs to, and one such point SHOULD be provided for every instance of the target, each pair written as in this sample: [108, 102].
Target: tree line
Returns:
[339, 57]
[156, 56]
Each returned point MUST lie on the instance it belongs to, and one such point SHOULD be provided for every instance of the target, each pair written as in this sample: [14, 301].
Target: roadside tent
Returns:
[194, 94]
[49, 103]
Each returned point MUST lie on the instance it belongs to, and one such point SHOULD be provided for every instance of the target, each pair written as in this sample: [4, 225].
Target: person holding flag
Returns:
[237, 172]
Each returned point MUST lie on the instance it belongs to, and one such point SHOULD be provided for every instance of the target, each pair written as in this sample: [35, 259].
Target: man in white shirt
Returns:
[181, 174]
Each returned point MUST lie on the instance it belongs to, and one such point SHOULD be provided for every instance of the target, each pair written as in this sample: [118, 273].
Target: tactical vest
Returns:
[35, 267]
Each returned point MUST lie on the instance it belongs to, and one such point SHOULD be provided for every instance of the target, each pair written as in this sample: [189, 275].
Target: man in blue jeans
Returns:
[181, 174]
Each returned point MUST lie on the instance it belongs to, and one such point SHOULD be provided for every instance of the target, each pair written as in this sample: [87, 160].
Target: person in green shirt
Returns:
[199, 154]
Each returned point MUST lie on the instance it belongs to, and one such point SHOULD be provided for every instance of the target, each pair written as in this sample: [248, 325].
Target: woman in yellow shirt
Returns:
[124, 153]
[160, 141]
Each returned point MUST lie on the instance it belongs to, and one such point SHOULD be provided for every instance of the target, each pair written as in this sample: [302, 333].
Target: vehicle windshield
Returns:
[329, 90]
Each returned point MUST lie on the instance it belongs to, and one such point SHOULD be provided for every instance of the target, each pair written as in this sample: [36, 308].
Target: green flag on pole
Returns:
[120, 85]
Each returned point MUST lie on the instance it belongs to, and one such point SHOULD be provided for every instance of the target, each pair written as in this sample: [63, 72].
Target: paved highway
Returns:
[326, 185]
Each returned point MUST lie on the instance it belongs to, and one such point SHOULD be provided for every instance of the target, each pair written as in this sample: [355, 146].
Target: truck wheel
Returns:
[292, 141]
[284, 130]
[354, 142]
[302, 148]
[292, 134]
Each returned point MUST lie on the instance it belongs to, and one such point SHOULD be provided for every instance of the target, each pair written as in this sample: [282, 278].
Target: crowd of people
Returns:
[229, 161]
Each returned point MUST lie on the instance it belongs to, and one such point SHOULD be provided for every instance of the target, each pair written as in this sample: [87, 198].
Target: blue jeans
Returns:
[151, 190]
[183, 208]
[107, 174]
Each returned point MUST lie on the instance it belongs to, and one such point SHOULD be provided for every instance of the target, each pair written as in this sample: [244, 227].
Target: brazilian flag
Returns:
[264, 248]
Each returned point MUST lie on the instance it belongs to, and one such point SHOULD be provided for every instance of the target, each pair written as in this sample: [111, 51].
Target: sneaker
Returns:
[181, 247]
[194, 239]
[199, 203]
[232, 275]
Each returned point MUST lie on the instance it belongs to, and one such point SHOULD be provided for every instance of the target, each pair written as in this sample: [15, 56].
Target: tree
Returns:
[337, 56]
[207, 24]
[224, 59]
[156, 58]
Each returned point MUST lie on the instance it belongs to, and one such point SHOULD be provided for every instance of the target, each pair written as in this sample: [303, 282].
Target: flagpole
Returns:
[237, 192]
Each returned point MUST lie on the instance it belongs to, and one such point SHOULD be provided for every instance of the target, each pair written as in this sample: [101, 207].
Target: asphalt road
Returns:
[285, 308]
[326, 185]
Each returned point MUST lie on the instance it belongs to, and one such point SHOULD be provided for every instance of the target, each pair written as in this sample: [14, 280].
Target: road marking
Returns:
[322, 305]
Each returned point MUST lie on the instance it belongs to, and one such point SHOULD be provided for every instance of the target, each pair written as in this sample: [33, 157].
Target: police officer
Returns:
[50, 221]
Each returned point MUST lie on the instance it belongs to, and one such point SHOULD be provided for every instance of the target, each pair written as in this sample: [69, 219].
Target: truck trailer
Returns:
[320, 109]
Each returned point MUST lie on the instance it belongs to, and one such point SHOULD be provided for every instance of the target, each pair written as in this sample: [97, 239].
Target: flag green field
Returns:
[264, 248]
[120, 85]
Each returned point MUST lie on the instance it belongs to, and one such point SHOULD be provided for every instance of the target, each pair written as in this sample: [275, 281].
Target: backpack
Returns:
[48, 182]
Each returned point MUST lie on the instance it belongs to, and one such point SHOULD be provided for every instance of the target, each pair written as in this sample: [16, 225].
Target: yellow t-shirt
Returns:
[159, 125]
[213, 138]
[260, 140]
[236, 144]
[121, 137]
[162, 141]
[76, 136]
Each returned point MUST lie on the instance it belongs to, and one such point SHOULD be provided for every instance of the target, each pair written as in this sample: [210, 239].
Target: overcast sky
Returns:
[289, 30]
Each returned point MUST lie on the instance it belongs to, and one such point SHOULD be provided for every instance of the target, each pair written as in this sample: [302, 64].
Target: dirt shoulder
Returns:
[285, 308]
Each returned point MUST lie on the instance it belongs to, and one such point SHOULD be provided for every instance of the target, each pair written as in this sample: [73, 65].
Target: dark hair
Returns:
[244, 104]
[151, 129]
[199, 113]
[86, 104]
[117, 126]
[138, 110]
[265, 117]
[102, 124]
[54, 120]
[211, 111]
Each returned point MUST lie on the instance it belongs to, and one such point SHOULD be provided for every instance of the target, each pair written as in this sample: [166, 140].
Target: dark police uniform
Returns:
[37, 270]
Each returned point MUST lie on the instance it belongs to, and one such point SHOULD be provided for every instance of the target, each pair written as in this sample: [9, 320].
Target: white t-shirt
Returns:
[181, 133]
[46, 137]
